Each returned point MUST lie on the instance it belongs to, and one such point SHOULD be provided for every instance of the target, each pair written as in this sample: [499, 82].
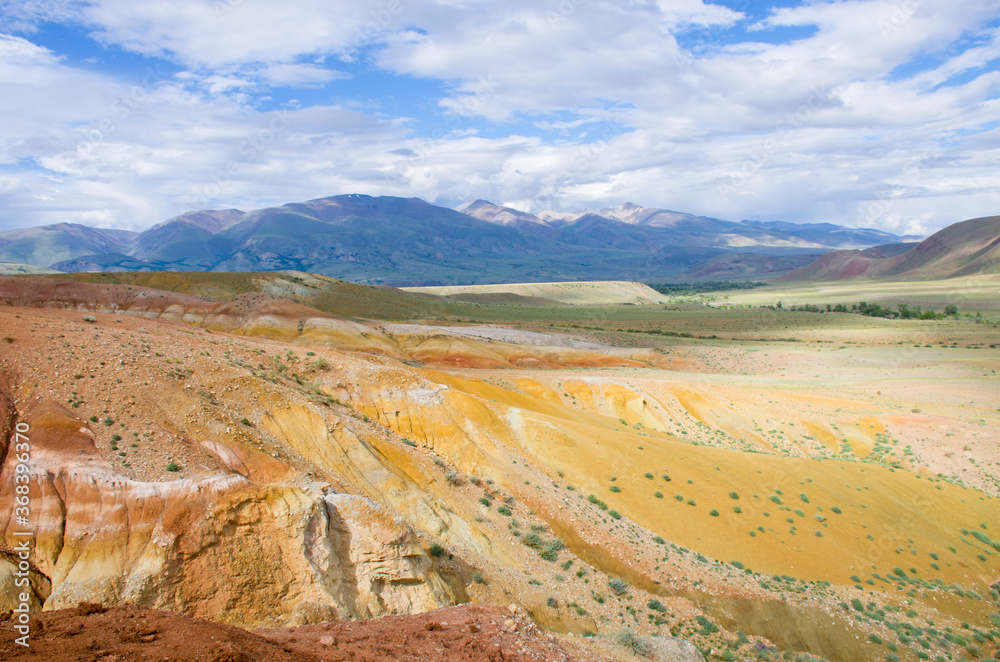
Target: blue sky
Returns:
[877, 113]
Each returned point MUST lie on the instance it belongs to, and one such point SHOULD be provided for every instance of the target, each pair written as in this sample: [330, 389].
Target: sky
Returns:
[865, 113]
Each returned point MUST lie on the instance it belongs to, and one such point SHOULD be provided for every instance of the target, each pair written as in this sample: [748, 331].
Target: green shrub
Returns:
[713, 512]
[486, 502]
[658, 494]
[707, 626]
[615, 514]
[550, 550]
[436, 550]
[734, 495]
[632, 642]
[615, 488]
[504, 510]
[619, 586]
[173, 466]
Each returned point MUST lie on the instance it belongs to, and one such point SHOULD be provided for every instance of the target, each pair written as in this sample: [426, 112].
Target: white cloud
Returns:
[815, 129]
[227, 33]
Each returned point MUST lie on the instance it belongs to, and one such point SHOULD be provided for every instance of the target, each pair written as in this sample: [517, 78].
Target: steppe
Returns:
[285, 450]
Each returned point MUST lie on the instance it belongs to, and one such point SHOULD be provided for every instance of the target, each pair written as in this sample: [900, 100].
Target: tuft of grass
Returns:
[619, 586]
[173, 466]
[633, 643]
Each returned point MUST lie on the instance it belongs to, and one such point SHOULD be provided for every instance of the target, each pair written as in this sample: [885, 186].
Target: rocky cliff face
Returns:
[240, 548]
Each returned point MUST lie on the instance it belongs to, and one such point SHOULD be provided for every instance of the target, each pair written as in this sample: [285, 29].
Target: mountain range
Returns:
[407, 241]
[967, 248]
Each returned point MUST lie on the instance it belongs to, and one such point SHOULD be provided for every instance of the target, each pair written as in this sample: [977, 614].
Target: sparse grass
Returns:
[631, 642]
[618, 586]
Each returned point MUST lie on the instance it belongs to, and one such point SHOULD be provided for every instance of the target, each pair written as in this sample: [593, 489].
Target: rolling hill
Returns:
[407, 241]
[968, 248]
[586, 293]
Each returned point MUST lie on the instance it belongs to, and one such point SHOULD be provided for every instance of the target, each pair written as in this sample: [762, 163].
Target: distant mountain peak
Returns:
[485, 210]
[387, 239]
[210, 221]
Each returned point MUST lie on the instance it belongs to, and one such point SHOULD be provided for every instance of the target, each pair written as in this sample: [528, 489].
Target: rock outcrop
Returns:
[218, 546]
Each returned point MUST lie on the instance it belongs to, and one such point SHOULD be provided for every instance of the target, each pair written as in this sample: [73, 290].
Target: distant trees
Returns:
[902, 310]
[705, 286]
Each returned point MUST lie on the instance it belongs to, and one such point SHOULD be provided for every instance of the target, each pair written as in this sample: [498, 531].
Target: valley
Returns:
[756, 482]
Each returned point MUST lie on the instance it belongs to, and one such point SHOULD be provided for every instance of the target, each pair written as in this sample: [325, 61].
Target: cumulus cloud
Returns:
[879, 113]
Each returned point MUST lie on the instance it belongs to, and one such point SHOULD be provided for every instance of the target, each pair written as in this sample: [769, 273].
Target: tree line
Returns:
[902, 310]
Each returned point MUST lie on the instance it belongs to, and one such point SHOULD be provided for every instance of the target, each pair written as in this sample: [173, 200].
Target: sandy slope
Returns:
[300, 449]
[580, 293]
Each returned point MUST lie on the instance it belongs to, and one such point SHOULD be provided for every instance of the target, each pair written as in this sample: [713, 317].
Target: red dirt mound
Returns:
[137, 634]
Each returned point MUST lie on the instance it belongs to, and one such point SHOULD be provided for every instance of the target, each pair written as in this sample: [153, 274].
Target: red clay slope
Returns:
[138, 634]
[968, 248]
